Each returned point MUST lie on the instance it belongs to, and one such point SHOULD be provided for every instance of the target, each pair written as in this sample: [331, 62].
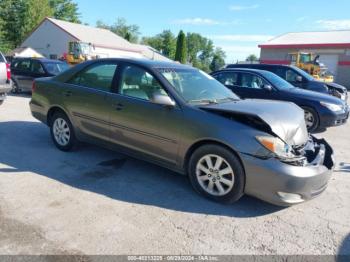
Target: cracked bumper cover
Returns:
[266, 178]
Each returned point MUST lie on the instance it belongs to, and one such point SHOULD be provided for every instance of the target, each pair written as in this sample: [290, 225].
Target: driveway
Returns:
[94, 201]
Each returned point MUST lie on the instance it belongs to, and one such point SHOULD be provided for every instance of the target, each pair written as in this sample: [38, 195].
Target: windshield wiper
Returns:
[204, 101]
[227, 99]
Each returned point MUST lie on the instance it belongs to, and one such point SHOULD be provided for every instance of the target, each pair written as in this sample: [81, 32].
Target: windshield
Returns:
[303, 73]
[56, 68]
[197, 87]
[277, 81]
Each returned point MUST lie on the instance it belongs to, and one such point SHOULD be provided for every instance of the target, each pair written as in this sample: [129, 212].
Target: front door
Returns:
[139, 124]
[86, 98]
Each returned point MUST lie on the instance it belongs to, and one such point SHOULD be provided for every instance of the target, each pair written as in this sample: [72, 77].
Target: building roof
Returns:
[24, 52]
[331, 39]
[96, 36]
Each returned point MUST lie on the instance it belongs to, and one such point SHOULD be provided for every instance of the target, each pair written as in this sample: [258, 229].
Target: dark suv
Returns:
[25, 70]
[299, 78]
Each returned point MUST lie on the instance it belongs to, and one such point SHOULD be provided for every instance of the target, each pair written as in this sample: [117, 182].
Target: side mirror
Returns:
[268, 88]
[299, 79]
[163, 100]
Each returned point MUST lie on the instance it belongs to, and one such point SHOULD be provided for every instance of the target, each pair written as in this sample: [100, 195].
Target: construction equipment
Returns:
[79, 52]
[310, 63]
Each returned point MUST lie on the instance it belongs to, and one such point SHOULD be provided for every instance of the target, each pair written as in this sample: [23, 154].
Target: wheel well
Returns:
[51, 113]
[197, 145]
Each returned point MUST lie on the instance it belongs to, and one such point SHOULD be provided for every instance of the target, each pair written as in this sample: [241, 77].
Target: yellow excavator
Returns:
[79, 52]
[309, 62]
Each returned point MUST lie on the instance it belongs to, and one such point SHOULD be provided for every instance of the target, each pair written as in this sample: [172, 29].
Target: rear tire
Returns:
[62, 132]
[217, 173]
[311, 119]
[15, 89]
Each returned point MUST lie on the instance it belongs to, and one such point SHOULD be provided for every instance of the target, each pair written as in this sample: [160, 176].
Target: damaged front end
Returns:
[315, 152]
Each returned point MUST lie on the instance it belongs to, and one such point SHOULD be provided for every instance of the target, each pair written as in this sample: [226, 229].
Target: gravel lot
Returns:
[94, 201]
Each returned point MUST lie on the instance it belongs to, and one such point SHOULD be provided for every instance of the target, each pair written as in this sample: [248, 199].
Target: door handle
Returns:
[68, 93]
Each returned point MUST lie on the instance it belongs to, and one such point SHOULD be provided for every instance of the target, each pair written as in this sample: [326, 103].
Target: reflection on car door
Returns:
[85, 95]
[140, 124]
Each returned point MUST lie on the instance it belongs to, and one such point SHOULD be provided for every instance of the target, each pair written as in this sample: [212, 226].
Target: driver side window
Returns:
[138, 83]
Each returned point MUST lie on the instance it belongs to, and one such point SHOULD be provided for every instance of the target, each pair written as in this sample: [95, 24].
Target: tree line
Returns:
[19, 17]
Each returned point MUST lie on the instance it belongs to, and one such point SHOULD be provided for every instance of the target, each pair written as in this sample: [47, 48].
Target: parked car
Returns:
[321, 110]
[25, 70]
[183, 119]
[5, 78]
[299, 78]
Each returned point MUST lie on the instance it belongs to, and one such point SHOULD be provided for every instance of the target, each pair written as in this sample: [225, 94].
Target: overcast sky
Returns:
[238, 26]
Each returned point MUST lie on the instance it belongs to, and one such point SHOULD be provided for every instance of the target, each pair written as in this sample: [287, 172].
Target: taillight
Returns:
[33, 87]
[8, 71]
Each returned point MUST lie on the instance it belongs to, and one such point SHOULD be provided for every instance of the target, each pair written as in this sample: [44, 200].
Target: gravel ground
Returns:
[94, 201]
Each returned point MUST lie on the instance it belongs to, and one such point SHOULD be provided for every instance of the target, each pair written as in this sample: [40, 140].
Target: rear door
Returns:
[21, 74]
[229, 79]
[85, 97]
[252, 86]
[139, 124]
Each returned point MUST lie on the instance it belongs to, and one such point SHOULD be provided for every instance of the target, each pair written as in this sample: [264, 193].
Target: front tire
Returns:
[62, 132]
[216, 173]
[311, 119]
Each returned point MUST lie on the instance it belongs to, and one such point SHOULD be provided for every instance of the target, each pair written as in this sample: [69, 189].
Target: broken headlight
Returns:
[276, 146]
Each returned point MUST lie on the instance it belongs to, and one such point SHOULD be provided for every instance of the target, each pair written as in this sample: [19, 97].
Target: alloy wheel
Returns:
[61, 132]
[309, 119]
[215, 175]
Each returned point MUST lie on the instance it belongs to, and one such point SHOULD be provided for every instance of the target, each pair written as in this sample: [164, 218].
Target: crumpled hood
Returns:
[285, 119]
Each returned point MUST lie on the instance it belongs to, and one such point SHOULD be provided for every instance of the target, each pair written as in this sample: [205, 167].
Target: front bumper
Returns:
[329, 119]
[285, 184]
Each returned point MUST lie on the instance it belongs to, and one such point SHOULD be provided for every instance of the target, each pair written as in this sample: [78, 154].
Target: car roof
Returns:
[256, 65]
[41, 59]
[260, 71]
[147, 63]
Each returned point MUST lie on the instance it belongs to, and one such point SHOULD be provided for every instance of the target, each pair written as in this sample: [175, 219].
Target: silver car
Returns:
[5, 78]
[183, 119]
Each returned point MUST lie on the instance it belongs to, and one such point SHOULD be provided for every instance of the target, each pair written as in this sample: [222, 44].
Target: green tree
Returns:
[121, 28]
[65, 10]
[218, 61]
[22, 16]
[181, 48]
[164, 42]
[252, 58]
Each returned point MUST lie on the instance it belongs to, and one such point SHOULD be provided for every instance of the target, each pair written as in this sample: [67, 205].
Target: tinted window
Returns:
[37, 68]
[137, 82]
[252, 81]
[56, 68]
[24, 65]
[227, 78]
[99, 77]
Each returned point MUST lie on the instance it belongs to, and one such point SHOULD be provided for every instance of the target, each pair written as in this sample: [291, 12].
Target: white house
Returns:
[51, 38]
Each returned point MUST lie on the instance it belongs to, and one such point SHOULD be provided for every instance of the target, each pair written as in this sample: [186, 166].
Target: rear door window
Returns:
[252, 81]
[99, 77]
[228, 78]
[24, 65]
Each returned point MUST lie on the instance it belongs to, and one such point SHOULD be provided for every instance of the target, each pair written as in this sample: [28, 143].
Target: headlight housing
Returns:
[332, 107]
[276, 146]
